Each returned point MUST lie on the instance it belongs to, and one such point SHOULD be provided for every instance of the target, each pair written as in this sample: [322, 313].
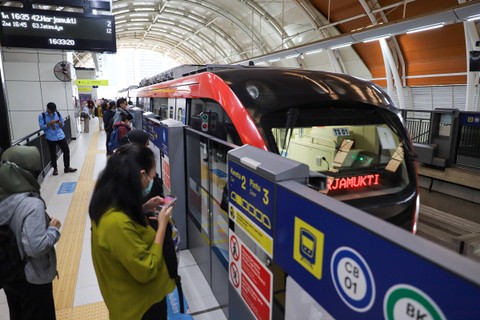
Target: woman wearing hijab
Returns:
[21, 208]
[127, 252]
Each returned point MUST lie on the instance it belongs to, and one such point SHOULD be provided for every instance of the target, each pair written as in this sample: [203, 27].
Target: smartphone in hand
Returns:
[168, 201]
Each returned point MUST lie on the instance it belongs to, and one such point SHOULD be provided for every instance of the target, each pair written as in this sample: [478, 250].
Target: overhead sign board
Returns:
[90, 82]
[63, 30]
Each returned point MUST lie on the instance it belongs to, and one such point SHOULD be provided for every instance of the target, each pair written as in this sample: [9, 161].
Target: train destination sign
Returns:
[62, 30]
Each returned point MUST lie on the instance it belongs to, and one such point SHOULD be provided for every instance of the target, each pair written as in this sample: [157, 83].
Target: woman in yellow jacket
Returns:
[126, 250]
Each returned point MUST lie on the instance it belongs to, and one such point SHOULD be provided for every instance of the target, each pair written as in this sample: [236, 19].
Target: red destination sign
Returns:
[355, 182]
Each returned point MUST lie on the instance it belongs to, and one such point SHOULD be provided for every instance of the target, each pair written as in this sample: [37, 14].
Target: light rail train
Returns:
[342, 127]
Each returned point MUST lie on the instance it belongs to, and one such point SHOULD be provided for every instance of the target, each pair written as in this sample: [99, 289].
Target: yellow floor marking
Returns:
[69, 248]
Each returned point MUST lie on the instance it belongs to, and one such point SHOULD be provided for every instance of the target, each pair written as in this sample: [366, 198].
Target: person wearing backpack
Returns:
[108, 122]
[51, 122]
[120, 130]
[29, 292]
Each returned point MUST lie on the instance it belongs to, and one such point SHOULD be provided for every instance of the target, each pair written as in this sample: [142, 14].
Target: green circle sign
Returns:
[405, 302]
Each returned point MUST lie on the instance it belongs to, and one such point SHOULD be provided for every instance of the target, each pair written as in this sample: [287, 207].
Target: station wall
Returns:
[30, 84]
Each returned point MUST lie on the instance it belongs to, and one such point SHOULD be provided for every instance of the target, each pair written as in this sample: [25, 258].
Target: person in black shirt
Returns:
[108, 122]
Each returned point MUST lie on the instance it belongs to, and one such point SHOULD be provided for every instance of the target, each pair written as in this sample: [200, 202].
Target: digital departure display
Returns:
[57, 30]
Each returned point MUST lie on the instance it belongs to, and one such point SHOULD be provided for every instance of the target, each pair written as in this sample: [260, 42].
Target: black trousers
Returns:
[157, 312]
[109, 133]
[28, 301]
[52, 147]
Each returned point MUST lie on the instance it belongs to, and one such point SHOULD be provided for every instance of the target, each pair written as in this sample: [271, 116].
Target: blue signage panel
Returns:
[164, 138]
[252, 195]
[470, 119]
[356, 274]
[154, 132]
[67, 187]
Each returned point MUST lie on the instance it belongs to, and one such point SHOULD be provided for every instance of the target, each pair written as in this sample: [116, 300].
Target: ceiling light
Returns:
[274, 60]
[376, 38]
[291, 56]
[341, 46]
[473, 18]
[431, 27]
[120, 11]
[313, 51]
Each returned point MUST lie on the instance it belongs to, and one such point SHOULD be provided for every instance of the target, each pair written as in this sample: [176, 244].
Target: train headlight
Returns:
[253, 91]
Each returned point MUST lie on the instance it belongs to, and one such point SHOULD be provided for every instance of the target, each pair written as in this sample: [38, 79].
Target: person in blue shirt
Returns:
[51, 122]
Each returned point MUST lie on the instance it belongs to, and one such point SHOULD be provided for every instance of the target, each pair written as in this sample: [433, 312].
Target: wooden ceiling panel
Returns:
[440, 51]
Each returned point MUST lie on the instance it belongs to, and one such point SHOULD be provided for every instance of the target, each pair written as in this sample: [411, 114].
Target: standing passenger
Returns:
[108, 122]
[123, 126]
[51, 122]
[100, 115]
[30, 296]
[121, 109]
[126, 250]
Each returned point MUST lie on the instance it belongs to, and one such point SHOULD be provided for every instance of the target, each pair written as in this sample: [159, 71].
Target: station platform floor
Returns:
[76, 291]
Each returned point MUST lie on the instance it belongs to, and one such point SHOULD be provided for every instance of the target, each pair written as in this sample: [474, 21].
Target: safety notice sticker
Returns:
[252, 280]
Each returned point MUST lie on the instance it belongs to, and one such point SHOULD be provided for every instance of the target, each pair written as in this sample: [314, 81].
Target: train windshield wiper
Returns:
[292, 116]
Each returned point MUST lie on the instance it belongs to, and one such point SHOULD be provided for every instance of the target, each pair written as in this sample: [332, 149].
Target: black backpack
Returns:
[45, 120]
[12, 267]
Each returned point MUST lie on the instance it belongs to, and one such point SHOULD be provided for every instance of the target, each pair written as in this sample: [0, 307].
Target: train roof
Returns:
[266, 88]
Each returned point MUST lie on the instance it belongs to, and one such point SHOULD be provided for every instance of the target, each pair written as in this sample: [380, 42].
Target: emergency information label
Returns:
[252, 280]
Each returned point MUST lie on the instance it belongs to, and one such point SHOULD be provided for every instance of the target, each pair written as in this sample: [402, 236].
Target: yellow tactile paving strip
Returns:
[69, 248]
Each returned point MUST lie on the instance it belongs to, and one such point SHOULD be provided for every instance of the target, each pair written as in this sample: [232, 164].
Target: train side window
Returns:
[160, 107]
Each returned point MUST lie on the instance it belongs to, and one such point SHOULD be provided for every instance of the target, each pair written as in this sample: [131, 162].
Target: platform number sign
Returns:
[353, 279]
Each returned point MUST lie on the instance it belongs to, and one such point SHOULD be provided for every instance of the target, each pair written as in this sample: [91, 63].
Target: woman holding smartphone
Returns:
[127, 252]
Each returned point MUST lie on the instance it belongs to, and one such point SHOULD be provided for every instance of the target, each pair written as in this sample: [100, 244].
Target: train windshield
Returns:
[359, 151]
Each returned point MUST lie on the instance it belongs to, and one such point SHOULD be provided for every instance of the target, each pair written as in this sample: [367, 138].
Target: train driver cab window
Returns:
[359, 156]
[209, 117]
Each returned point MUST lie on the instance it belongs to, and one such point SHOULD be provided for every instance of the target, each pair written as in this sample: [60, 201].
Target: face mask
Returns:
[147, 190]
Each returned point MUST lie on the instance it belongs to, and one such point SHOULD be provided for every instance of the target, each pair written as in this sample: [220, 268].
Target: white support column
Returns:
[334, 62]
[398, 82]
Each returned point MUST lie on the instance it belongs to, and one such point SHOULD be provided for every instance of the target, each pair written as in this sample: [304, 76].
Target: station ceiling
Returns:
[234, 31]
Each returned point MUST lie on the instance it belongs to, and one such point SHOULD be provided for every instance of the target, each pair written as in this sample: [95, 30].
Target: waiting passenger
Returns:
[127, 252]
[51, 122]
[123, 126]
[172, 238]
[135, 136]
[122, 108]
[85, 116]
[29, 289]
[108, 122]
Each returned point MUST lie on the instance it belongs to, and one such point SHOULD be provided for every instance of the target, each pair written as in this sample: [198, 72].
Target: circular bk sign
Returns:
[353, 279]
[405, 302]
